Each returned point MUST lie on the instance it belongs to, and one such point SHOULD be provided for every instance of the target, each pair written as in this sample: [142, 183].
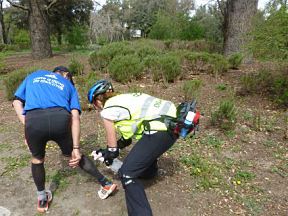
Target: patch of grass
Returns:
[235, 60]
[253, 205]
[282, 171]
[14, 163]
[221, 87]
[191, 88]
[4, 146]
[59, 180]
[243, 176]
[212, 141]
[269, 143]
[207, 174]
[225, 116]
[230, 133]
[76, 67]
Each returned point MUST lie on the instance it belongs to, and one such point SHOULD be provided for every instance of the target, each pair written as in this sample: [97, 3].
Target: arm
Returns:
[75, 127]
[110, 133]
[18, 106]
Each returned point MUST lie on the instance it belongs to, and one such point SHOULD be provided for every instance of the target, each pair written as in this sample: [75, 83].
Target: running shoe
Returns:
[105, 191]
[43, 205]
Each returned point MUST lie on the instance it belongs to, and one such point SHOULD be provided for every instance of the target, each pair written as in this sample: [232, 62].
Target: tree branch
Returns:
[51, 4]
[18, 5]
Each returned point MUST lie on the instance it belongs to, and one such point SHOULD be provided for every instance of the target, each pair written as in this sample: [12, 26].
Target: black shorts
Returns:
[42, 125]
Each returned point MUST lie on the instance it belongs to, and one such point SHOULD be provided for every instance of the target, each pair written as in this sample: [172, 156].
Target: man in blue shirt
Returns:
[47, 104]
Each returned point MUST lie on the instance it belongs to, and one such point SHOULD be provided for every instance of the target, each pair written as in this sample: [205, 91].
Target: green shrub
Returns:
[125, 68]
[14, 79]
[225, 116]
[269, 37]
[235, 60]
[255, 83]
[271, 83]
[77, 36]
[212, 63]
[165, 67]
[22, 39]
[76, 67]
[83, 84]
[191, 88]
[280, 90]
[101, 58]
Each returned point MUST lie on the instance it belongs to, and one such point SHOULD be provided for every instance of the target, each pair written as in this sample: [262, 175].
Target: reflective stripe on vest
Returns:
[141, 107]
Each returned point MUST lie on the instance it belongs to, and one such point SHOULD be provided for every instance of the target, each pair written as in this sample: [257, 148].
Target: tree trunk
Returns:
[39, 30]
[237, 23]
[4, 36]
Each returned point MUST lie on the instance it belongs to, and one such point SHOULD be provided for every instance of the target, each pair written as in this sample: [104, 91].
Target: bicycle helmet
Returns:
[100, 87]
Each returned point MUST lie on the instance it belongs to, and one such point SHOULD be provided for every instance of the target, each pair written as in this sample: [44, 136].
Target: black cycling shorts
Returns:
[42, 125]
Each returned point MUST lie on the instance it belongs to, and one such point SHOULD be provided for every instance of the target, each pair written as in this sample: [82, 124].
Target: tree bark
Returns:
[3, 30]
[237, 23]
[39, 29]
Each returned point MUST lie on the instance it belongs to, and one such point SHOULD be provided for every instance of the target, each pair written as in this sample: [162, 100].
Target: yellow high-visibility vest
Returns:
[142, 108]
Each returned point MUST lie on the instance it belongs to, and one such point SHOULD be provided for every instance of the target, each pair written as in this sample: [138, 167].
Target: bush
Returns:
[83, 84]
[225, 115]
[259, 82]
[191, 88]
[125, 68]
[101, 58]
[22, 39]
[235, 60]
[76, 67]
[165, 67]
[77, 36]
[212, 63]
[271, 83]
[269, 38]
[14, 79]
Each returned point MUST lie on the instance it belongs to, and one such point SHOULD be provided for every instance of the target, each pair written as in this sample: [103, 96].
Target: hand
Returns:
[122, 143]
[108, 154]
[75, 158]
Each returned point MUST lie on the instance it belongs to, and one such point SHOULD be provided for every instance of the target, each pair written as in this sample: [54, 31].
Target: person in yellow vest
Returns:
[140, 116]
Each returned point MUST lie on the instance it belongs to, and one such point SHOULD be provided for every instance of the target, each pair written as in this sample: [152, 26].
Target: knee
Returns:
[125, 179]
[37, 161]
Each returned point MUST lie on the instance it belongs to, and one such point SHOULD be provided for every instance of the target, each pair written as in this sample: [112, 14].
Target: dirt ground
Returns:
[246, 170]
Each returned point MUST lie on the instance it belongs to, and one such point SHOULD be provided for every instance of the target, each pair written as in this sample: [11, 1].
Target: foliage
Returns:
[205, 172]
[21, 38]
[68, 13]
[274, 84]
[191, 88]
[77, 36]
[270, 37]
[235, 60]
[83, 84]
[225, 116]
[125, 68]
[76, 67]
[165, 27]
[101, 58]
[165, 67]
[176, 27]
[14, 79]
[214, 63]
[210, 20]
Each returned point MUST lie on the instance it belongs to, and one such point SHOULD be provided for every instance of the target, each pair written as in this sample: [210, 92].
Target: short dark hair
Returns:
[63, 69]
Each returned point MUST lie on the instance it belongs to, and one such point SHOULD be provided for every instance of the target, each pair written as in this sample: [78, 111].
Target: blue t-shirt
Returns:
[44, 89]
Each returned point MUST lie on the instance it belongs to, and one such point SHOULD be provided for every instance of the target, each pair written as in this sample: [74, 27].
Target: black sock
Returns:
[38, 174]
[88, 166]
